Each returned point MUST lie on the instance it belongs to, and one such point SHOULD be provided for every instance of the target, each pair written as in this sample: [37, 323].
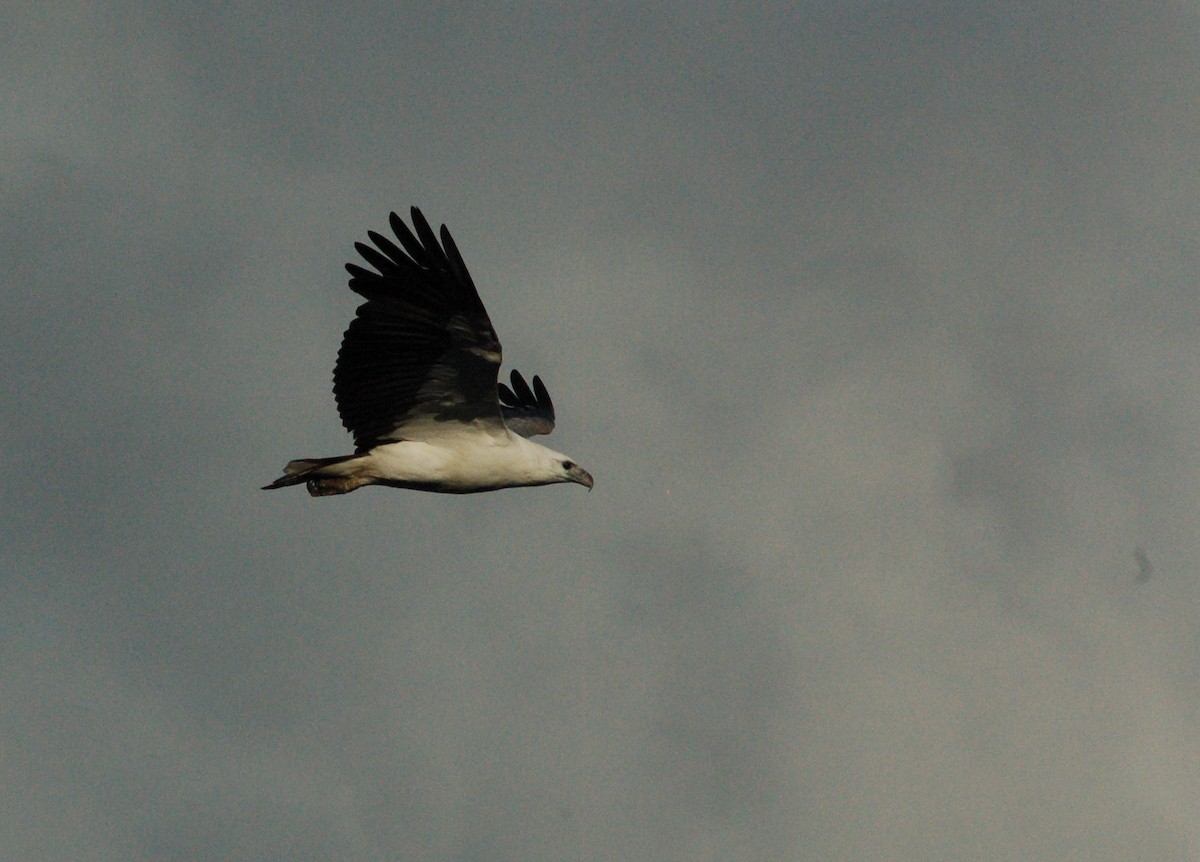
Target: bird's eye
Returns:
[567, 465]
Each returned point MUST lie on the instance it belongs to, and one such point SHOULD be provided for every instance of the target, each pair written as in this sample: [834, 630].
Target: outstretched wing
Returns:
[421, 350]
[526, 412]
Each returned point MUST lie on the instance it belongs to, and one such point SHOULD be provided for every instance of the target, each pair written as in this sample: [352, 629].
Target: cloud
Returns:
[875, 328]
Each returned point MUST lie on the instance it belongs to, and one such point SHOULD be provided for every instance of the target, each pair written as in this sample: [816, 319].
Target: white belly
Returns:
[458, 465]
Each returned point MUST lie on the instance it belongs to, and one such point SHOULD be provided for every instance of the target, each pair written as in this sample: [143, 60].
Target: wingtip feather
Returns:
[521, 388]
[542, 395]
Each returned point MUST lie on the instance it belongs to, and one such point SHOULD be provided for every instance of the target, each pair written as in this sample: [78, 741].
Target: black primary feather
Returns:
[526, 411]
[421, 345]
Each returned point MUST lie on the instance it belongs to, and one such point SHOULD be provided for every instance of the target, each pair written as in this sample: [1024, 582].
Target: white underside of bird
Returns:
[450, 464]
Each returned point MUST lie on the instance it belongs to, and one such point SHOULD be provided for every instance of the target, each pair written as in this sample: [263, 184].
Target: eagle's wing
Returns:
[526, 411]
[421, 351]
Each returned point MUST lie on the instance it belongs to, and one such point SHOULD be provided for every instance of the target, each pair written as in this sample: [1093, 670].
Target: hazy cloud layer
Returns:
[878, 329]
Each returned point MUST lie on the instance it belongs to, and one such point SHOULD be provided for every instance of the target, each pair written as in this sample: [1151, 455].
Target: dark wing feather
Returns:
[421, 349]
[526, 412]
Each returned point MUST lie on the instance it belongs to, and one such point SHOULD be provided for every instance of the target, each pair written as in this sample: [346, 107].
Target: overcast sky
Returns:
[878, 326]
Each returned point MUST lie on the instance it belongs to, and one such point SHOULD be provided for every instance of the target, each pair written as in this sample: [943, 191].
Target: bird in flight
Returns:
[416, 383]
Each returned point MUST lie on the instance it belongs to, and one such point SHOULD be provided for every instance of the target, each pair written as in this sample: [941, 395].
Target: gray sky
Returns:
[877, 327]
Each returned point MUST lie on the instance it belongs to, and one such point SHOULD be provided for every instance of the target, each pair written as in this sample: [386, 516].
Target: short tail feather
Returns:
[320, 479]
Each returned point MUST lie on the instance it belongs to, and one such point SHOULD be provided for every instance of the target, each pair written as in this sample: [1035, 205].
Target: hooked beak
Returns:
[583, 477]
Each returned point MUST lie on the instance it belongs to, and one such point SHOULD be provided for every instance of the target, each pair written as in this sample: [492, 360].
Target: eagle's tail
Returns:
[324, 476]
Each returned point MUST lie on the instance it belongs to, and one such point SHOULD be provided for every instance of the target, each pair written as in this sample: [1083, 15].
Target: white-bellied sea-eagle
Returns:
[415, 383]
